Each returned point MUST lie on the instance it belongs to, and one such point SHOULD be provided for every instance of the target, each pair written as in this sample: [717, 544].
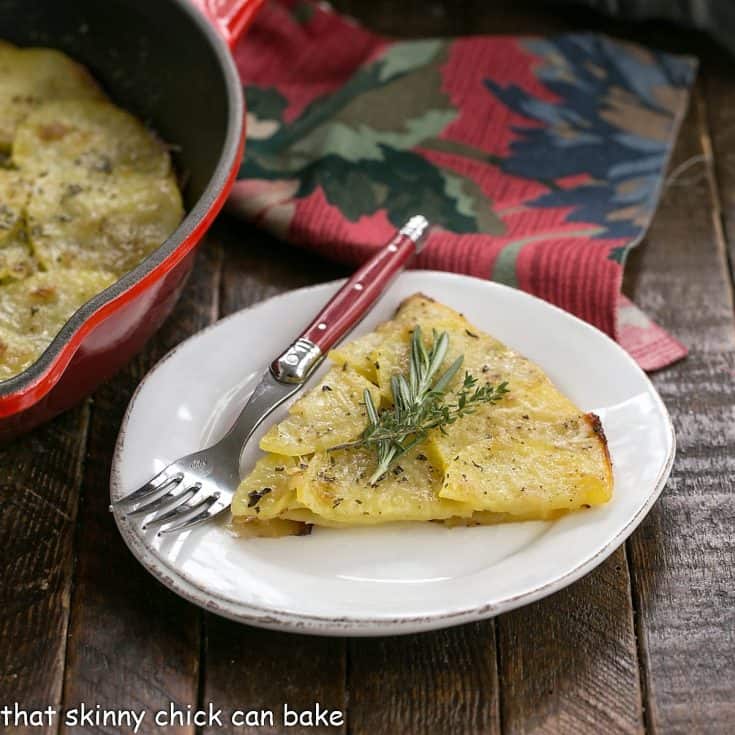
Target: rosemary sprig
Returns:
[419, 403]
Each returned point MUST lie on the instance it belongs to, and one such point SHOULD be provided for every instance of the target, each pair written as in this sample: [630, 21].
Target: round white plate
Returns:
[398, 578]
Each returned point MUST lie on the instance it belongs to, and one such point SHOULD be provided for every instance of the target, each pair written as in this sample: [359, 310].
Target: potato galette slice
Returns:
[533, 455]
[331, 413]
[335, 488]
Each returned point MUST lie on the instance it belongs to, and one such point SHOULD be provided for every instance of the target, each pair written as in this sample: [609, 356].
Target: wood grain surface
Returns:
[643, 644]
[682, 556]
[569, 663]
[40, 478]
[440, 682]
[131, 641]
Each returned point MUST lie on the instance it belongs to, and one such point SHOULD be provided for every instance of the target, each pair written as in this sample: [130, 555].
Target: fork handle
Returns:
[350, 304]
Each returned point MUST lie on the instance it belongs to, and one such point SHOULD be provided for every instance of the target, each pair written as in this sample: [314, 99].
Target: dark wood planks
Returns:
[40, 476]
[251, 669]
[132, 643]
[568, 664]
[682, 556]
[440, 682]
[247, 668]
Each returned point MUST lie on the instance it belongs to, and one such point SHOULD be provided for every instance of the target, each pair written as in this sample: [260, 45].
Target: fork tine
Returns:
[168, 501]
[151, 490]
[205, 515]
[184, 513]
[174, 509]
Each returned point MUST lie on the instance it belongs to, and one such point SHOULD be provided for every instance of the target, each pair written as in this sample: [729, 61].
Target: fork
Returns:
[195, 488]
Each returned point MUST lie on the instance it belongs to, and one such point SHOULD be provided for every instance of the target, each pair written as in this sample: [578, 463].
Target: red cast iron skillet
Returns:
[167, 63]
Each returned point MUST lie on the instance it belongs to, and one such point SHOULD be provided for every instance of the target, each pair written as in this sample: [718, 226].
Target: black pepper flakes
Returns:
[71, 191]
[254, 497]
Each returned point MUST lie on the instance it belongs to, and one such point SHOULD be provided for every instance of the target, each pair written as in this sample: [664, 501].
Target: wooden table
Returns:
[644, 643]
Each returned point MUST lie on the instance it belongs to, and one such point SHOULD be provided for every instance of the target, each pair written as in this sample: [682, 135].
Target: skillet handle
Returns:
[230, 17]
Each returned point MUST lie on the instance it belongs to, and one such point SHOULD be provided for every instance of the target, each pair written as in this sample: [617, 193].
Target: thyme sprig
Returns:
[419, 403]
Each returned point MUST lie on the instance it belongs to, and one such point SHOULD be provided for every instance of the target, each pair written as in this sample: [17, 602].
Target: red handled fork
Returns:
[199, 486]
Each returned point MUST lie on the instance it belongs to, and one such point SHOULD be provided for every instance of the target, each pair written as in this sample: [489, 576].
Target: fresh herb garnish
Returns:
[419, 403]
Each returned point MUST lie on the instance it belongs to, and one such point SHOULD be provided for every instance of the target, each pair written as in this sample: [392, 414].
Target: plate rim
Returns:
[372, 625]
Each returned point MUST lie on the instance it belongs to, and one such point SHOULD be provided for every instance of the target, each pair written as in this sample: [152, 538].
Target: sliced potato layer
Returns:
[39, 306]
[274, 528]
[16, 353]
[86, 194]
[535, 474]
[111, 223]
[88, 136]
[14, 191]
[268, 489]
[16, 258]
[331, 413]
[335, 487]
[357, 354]
[31, 76]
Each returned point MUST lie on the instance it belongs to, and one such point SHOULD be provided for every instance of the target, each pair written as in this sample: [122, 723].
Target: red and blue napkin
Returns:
[541, 160]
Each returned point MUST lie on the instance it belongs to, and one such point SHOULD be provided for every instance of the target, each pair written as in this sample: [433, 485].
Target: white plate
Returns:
[398, 578]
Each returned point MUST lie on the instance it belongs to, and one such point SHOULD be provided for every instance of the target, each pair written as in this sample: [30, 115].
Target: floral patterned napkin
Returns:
[540, 159]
